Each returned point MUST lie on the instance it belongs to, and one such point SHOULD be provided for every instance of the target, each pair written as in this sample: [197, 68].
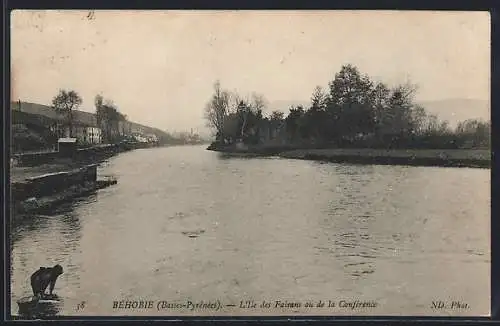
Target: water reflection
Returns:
[24, 225]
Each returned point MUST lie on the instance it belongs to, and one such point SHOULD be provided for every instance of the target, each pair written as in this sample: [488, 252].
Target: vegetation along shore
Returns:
[356, 120]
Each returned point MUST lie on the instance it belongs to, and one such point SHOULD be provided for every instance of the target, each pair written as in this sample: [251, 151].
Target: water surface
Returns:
[184, 223]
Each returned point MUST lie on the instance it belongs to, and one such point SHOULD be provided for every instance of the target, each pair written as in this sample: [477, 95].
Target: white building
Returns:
[140, 138]
[88, 135]
[152, 138]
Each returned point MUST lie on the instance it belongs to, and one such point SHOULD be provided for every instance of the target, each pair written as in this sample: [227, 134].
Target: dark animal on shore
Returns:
[44, 277]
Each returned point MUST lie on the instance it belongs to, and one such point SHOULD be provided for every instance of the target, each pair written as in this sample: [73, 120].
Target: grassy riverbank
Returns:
[478, 158]
[416, 157]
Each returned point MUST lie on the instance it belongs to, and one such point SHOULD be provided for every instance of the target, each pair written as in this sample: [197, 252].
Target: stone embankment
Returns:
[41, 181]
[39, 193]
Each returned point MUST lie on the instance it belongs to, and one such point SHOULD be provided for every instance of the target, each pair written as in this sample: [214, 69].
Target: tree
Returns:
[249, 113]
[64, 103]
[243, 111]
[293, 122]
[350, 104]
[314, 123]
[108, 118]
[319, 99]
[102, 117]
[254, 116]
[381, 95]
[252, 111]
[400, 107]
[419, 118]
[258, 102]
[349, 86]
[217, 110]
[353, 111]
[231, 127]
[476, 132]
[114, 117]
[277, 116]
[274, 122]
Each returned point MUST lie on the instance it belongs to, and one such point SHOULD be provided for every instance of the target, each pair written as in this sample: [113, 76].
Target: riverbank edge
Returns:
[409, 157]
[92, 156]
[42, 204]
[36, 204]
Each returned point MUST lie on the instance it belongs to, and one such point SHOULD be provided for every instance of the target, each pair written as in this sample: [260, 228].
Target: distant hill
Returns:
[82, 117]
[458, 109]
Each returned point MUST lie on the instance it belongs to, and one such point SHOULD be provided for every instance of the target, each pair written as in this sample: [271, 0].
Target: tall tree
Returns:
[319, 98]
[231, 126]
[400, 107]
[419, 118]
[380, 95]
[293, 122]
[101, 117]
[114, 118]
[64, 103]
[275, 122]
[257, 105]
[350, 103]
[249, 112]
[108, 118]
[217, 110]
[243, 111]
[349, 86]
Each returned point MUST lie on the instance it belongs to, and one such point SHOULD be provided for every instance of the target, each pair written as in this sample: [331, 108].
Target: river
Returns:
[186, 224]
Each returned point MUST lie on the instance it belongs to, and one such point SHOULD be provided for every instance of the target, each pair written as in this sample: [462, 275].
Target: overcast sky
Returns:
[159, 66]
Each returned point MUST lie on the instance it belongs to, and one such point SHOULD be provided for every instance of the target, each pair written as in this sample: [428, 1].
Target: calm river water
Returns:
[185, 224]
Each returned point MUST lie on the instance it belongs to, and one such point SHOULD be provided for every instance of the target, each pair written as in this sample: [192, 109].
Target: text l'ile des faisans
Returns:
[216, 305]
